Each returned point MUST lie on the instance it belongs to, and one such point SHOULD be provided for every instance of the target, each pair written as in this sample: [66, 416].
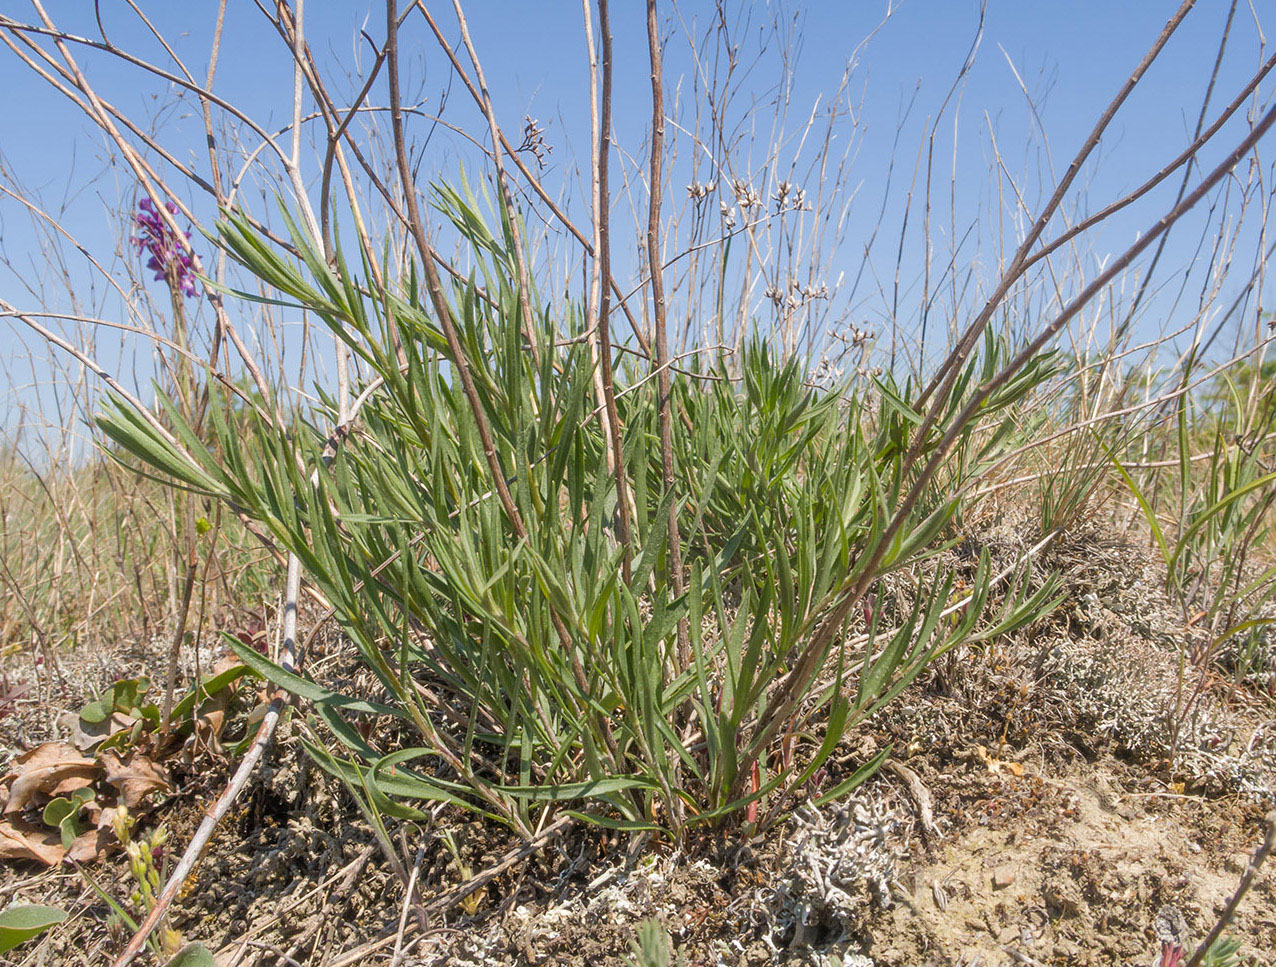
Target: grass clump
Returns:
[536, 651]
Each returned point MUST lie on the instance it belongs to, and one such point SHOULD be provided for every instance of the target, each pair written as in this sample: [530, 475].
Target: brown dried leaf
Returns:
[106, 818]
[21, 841]
[52, 769]
[998, 765]
[208, 729]
[135, 776]
[224, 663]
[87, 736]
[92, 845]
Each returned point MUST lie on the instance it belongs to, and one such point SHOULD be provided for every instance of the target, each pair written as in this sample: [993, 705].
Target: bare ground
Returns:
[1051, 796]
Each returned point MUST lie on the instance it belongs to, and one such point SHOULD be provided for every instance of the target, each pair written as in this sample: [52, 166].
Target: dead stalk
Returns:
[805, 667]
[602, 217]
[660, 338]
[507, 197]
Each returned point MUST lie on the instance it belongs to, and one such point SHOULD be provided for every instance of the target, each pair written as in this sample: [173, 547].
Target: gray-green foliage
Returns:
[651, 947]
[526, 670]
[1223, 952]
[1219, 496]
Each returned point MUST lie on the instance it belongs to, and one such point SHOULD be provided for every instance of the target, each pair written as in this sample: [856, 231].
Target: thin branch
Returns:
[660, 338]
[507, 197]
[199, 842]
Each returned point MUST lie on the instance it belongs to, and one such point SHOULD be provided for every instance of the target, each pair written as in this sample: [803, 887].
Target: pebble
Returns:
[1002, 877]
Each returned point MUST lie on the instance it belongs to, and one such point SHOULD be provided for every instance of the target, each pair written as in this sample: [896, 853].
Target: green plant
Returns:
[529, 644]
[651, 945]
[115, 757]
[193, 955]
[166, 943]
[19, 924]
[1223, 952]
[63, 813]
[1220, 499]
[125, 715]
[148, 878]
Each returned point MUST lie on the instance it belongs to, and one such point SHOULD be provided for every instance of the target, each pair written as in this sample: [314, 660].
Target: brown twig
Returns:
[204, 834]
[921, 796]
[660, 338]
[602, 232]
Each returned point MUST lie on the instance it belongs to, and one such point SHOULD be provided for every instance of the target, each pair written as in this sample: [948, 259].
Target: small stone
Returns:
[1002, 877]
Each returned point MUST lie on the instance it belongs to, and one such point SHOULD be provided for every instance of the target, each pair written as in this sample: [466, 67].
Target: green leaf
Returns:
[20, 924]
[63, 814]
[1149, 514]
[193, 955]
[611, 822]
[856, 779]
[56, 811]
[407, 785]
[207, 689]
[123, 696]
[593, 789]
[303, 687]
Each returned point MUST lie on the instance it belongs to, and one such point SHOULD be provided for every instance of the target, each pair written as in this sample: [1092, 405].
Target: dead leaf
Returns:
[92, 845]
[92, 812]
[210, 719]
[135, 776]
[106, 818]
[225, 663]
[52, 769]
[997, 765]
[22, 841]
[87, 736]
[471, 903]
[208, 729]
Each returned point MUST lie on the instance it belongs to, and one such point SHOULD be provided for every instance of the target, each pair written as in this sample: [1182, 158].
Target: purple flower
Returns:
[169, 258]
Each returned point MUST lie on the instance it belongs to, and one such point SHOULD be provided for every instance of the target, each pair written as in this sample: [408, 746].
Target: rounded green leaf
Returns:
[19, 924]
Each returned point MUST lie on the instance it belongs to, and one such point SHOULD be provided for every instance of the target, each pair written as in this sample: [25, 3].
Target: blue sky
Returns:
[1072, 56]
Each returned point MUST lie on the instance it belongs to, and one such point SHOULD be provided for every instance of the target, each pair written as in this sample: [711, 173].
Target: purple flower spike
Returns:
[169, 259]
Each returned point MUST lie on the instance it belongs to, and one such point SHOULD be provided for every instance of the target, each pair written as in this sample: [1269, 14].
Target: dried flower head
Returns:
[700, 190]
[534, 142]
[745, 195]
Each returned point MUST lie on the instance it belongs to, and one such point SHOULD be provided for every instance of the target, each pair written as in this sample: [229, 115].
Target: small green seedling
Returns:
[63, 813]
